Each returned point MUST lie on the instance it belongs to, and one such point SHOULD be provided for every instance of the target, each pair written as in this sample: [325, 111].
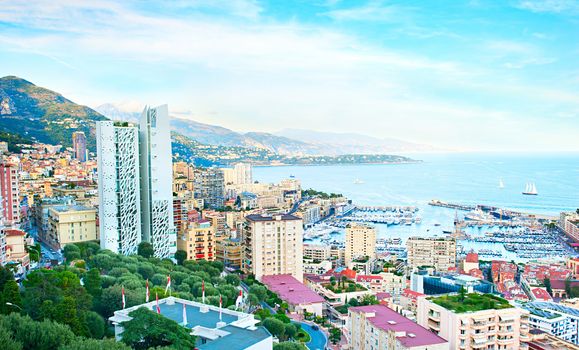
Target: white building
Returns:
[242, 174]
[119, 187]
[156, 181]
[273, 245]
[555, 319]
[360, 242]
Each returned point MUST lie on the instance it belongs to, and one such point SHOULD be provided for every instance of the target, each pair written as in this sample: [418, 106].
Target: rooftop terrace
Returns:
[471, 303]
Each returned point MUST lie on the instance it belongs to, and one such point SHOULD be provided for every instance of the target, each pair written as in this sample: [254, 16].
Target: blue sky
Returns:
[480, 75]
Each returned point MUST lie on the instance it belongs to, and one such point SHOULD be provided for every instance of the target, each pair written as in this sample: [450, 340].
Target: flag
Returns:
[158, 308]
[239, 299]
[220, 303]
[123, 295]
[184, 315]
[147, 295]
[168, 287]
[203, 291]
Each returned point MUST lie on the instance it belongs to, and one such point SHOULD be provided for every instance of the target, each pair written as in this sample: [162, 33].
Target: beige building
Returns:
[71, 224]
[480, 321]
[230, 252]
[360, 242]
[375, 327]
[439, 253]
[273, 245]
[198, 241]
[316, 252]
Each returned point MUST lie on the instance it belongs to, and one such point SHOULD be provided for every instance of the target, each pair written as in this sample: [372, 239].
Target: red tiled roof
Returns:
[541, 294]
[471, 258]
[14, 232]
[368, 278]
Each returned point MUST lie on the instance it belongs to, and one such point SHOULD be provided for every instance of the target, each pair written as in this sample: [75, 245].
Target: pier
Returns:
[456, 206]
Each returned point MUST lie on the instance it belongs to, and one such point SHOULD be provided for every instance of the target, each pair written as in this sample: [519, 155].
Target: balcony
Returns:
[434, 326]
[506, 332]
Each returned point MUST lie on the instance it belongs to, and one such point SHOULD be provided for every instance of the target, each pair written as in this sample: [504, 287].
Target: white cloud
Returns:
[550, 6]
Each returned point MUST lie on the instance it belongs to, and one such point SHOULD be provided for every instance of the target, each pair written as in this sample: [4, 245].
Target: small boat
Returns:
[501, 184]
[530, 189]
[358, 182]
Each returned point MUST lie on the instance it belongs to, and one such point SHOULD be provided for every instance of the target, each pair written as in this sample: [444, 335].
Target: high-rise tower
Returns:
[156, 181]
[119, 187]
[79, 145]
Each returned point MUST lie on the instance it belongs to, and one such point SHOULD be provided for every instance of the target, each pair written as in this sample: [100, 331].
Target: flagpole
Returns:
[220, 303]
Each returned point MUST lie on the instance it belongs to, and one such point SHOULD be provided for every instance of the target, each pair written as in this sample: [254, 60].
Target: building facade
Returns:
[376, 327]
[360, 242]
[79, 145]
[156, 181]
[439, 253]
[208, 185]
[198, 241]
[71, 224]
[119, 187]
[273, 245]
[498, 326]
[9, 191]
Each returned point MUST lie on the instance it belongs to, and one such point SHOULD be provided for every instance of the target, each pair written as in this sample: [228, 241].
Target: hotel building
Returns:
[273, 245]
[376, 327]
[439, 253]
[360, 242]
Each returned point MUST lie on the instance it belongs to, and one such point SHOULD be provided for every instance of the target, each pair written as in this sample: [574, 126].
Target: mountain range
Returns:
[295, 142]
[32, 113]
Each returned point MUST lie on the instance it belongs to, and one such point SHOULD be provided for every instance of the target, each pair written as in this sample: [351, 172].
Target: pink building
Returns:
[299, 297]
[379, 327]
[9, 192]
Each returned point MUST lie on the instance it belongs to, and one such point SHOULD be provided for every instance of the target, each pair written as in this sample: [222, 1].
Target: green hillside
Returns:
[35, 113]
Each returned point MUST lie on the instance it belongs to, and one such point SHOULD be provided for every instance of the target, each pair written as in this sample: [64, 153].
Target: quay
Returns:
[437, 203]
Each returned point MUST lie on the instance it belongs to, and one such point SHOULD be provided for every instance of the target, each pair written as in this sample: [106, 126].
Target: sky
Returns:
[492, 75]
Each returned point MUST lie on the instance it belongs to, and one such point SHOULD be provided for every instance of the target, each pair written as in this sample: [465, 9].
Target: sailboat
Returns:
[530, 189]
[501, 183]
[358, 182]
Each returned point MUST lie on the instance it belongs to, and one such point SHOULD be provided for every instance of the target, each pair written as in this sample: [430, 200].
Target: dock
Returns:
[456, 206]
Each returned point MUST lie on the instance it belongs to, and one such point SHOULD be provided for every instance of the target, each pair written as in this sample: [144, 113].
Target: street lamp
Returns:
[10, 304]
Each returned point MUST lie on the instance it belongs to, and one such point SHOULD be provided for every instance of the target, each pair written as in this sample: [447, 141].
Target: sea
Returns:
[466, 178]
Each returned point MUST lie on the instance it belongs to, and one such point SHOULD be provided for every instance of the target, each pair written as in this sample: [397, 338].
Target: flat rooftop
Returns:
[410, 333]
[238, 330]
[65, 208]
[472, 302]
[283, 217]
[291, 290]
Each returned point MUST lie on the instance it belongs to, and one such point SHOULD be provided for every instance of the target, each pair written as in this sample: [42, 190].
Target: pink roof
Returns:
[472, 258]
[383, 295]
[291, 290]
[389, 320]
[409, 293]
[541, 294]
[368, 278]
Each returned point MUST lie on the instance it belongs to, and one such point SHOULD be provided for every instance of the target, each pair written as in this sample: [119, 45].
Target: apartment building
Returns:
[360, 242]
[209, 186]
[9, 193]
[439, 253]
[375, 327]
[230, 252]
[317, 252]
[273, 245]
[198, 241]
[474, 321]
[569, 223]
[556, 319]
[79, 146]
[71, 224]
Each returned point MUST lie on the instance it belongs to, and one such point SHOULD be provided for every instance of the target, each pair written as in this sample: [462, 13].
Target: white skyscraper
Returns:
[156, 181]
[119, 194]
[242, 173]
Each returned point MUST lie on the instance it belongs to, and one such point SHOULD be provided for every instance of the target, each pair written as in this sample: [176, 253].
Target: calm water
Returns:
[462, 178]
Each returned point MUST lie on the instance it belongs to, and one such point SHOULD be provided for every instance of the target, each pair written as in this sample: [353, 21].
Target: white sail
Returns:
[534, 188]
[501, 183]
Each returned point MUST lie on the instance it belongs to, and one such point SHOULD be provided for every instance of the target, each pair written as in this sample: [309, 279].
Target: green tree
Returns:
[10, 294]
[288, 346]
[92, 282]
[8, 342]
[547, 283]
[232, 279]
[461, 294]
[259, 291]
[95, 324]
[45, 335]
[290, 330]
[148, 329]
[275, 327]
[335, 335]
[93, 344]
[5, 276]
[145, 250]
[71, 252]
[180, 256]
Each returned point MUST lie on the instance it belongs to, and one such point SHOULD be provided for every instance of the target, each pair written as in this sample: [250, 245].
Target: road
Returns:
[48, 253]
